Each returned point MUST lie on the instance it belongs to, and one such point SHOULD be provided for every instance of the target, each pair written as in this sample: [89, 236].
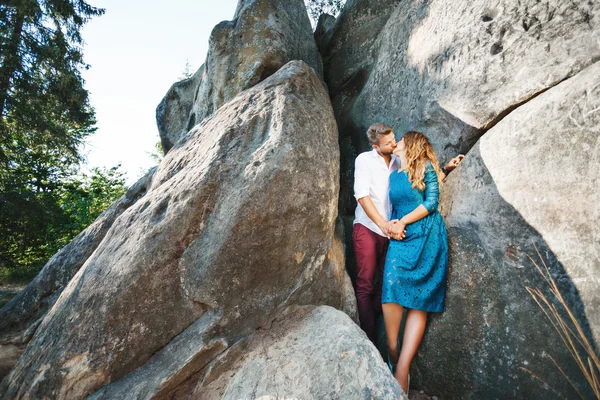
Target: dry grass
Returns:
[569, 331]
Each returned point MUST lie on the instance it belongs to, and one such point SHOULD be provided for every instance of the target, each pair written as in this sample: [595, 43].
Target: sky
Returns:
[136, 51]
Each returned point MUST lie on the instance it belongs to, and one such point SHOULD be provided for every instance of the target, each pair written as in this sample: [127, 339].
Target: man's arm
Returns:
[362, 189]
[367, 204]
[451, 165]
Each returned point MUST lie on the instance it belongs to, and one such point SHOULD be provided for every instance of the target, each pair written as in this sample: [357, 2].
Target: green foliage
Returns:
[84, 198]
[35, 225]
[187, 71]
[44, 117]
[41, 88]
[317, 7]
[158, 153]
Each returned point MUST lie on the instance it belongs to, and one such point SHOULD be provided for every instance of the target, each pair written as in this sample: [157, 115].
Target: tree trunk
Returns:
[12, 60]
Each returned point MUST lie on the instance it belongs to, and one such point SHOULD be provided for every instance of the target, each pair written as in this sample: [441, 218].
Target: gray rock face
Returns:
[456, 70]
[20, 316]
[349, 49]
[236, 226]
[463, 76]
[324, 25]
[350, 46]
[309, 353]
[9, 354]
[263, 36]
[453, 69]
[533, 179]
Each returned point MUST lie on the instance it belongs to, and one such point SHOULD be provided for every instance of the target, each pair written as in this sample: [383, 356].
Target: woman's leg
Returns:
[392, 316]
[413, 333]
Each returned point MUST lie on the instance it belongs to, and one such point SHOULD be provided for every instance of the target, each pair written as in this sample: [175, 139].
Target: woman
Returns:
[417, 260]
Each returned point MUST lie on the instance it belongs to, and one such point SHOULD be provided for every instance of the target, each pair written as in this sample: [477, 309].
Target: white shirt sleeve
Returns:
[362, 178]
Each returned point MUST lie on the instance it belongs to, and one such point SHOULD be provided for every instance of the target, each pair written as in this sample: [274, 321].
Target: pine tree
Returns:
[44, 117]
[41, 88]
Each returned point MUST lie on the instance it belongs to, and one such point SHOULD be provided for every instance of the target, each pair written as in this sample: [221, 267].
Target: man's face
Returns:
[400, 147]
[387, 144]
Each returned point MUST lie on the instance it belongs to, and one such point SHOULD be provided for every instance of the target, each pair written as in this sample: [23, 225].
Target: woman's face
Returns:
[400, 147]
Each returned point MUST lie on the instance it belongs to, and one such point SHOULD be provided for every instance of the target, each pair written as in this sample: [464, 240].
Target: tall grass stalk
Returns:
[571, 334]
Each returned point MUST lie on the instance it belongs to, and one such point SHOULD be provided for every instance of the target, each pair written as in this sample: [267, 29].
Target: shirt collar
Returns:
[394, 159]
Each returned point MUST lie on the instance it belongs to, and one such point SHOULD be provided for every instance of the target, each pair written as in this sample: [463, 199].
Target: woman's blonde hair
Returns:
[418, 151]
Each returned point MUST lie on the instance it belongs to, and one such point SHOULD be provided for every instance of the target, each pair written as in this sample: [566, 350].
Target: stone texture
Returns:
[325, 23]
[9, 354]
[263, 36]
[456, 70]
[350, 47]
[449, 69]
[531, 181]
[171, 366]
[333, 270]
[20, 316]
[452, 69]
[236, 226]
[309, 353]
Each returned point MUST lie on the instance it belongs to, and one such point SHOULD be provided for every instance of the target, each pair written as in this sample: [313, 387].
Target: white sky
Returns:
[136, 51]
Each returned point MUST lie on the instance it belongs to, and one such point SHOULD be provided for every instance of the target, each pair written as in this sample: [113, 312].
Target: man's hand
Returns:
[397, 229]
[386, 227]
[454, 162]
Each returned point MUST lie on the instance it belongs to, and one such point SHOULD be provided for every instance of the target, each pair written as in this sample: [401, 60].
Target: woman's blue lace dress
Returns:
[416, 267]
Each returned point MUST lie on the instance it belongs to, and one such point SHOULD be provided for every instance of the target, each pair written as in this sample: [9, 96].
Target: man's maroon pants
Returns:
[370, 250]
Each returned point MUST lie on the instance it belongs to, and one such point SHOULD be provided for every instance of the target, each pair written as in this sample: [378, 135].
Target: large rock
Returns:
[452, 69]
[237, 225]
[307, 353]
[40, 295]
[531, 181]
[262, 37]
[324, 25]
[20, 317]
[349, 47]
[455, 70]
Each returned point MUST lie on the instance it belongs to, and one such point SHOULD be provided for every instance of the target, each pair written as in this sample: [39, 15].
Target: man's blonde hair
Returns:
[376, 131]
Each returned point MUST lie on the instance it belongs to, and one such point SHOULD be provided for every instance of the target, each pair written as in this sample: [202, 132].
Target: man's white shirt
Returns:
[372, 178]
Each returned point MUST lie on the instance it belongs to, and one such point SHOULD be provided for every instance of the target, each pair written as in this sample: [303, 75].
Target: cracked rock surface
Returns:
[454, 68]
[262, 37]
[514, 85]
[237, 224]
[503, 204]
[307, 353]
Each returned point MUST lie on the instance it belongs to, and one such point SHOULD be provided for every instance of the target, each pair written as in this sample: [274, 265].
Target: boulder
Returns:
[350, 45]
[9, 354]
[325, 23]
[530, 183]
[454, 69]
[20, 317]
[263, 36]
[449, 69]
[306, 353]
[236, 226]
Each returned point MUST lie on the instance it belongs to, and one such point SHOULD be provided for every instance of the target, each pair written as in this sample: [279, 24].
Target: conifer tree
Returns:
[44, 117]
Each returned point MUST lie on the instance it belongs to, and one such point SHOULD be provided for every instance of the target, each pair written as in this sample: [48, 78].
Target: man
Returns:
[371, 225]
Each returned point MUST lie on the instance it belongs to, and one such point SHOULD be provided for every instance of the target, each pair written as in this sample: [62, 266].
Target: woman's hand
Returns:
[397, 229]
